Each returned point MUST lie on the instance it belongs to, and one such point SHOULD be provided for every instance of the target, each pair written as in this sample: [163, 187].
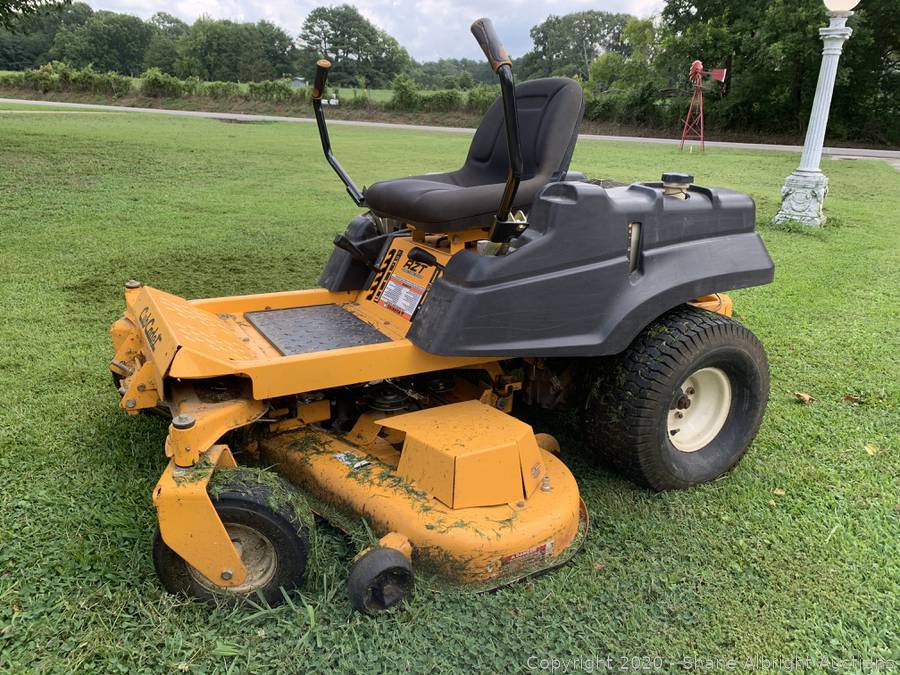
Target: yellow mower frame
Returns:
[167, 348]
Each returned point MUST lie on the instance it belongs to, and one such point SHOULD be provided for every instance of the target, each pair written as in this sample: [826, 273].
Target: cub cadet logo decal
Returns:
[151, 332]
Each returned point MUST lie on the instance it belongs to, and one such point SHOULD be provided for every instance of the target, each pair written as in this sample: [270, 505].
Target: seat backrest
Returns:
[550, 112]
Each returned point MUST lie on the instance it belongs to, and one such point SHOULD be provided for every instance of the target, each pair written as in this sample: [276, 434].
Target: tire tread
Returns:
[625, 391]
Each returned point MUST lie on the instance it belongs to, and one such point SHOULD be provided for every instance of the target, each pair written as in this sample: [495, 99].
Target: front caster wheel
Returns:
[379, 579]
[681, 405]
[268, 526]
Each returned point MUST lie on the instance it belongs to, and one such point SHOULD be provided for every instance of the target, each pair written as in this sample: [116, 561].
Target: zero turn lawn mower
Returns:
[384, 398]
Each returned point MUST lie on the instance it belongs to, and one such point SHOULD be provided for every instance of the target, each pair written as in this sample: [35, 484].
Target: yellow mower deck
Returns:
[441, 491]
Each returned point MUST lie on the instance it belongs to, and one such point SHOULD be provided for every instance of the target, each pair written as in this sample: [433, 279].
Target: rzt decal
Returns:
[414, 268]
[151, 332]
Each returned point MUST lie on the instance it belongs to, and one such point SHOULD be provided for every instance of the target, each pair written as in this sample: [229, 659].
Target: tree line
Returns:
[772, 50]
[634, 71]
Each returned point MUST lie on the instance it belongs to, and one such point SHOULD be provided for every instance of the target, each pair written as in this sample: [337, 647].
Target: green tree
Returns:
[162, 51]
[277, 48]
[26, 43]
[168, 25]
[465, 80]
[12, 11]
[356, 47]
[462, 73]
[773, 51]
[867, 99]
[107, 40]
[567, 45]
[633, 64]
[229, 51]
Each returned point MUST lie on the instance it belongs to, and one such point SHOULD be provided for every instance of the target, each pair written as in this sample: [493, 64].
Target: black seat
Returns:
[550, 112]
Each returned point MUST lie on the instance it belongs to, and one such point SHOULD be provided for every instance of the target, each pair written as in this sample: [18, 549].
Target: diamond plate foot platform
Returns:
[302, 330]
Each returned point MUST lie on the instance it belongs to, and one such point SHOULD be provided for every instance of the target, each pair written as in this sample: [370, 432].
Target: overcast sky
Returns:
[429, 29]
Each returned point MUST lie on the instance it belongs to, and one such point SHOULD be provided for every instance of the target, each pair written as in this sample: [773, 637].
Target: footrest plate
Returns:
[319, 328]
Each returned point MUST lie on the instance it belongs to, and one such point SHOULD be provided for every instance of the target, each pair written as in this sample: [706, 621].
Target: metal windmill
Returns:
[693, 123]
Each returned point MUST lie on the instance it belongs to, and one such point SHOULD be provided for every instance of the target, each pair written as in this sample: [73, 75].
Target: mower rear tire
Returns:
[379, 579]
[682, 404]
[270, 533]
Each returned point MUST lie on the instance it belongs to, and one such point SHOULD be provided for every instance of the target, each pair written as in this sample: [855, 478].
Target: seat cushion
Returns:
[549, 112]
[434, 203]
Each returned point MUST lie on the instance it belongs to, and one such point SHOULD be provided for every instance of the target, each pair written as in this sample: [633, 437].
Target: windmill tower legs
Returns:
[693, 123]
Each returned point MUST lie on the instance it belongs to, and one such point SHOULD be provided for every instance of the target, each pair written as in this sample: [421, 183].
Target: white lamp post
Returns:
[804, 190]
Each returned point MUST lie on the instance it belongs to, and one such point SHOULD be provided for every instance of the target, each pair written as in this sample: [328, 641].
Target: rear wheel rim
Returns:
[257, 554]
[699, 409]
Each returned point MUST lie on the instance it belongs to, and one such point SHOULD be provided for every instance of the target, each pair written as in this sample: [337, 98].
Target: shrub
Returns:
[220, 90]
[85, 79]
[406, 94]
[12, 80]
[157, 84]
[480, 98]
[65, 76]
[273, 91]
[57, 76]
[42, 79]
[360, 101]
[640, 106]
[113, 84]
[191, 85]
[604, 107]
[443, 101]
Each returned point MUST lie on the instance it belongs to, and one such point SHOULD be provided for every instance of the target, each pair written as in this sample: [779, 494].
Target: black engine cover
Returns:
[566, 288]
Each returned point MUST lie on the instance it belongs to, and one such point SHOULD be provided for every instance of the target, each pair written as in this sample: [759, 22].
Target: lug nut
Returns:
[545, 484]
[226, 574]
[130, 403]
[679, 415]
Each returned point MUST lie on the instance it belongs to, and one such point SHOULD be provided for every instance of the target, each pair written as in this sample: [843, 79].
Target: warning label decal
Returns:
[515, 562]
[401, 296]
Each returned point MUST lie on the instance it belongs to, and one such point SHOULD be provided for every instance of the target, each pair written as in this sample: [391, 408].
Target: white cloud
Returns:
[429, 29]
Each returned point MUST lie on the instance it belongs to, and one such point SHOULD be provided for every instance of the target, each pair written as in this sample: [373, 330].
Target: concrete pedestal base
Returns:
[802, 197]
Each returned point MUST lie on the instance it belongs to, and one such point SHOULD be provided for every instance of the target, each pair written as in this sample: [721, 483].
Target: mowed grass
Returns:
[795, 554]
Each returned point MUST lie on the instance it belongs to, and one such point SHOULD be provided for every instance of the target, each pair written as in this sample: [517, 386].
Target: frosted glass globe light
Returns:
[841, 5]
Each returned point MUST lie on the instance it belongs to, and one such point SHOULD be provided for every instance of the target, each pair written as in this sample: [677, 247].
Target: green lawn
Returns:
[379, 95]
[796, 554]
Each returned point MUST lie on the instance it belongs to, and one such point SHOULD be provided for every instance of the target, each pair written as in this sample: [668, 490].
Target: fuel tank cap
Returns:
[677, 178]
[676, 184]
